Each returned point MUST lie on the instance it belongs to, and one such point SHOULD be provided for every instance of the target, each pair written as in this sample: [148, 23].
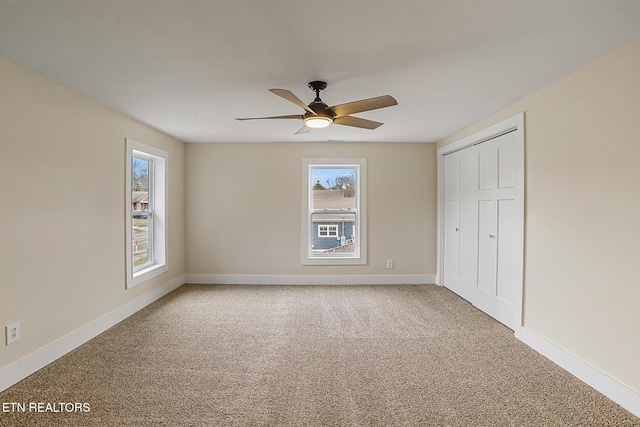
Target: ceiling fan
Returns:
[320, 115]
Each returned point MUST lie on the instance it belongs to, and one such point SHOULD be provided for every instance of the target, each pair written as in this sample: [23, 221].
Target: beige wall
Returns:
[62, 207]
[582, 151]
[62, 187]
[244, 202]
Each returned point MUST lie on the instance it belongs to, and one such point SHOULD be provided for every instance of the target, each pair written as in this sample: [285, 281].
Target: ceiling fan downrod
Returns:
[317, 86]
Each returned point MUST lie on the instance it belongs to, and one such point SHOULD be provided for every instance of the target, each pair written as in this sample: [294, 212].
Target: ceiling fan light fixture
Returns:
[317, 122]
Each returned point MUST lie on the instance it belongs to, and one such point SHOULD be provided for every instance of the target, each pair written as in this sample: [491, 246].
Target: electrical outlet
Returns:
[389, 263]
[13, 332]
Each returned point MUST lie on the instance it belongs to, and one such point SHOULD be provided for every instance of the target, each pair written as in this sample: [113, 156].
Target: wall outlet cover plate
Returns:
[12, 332]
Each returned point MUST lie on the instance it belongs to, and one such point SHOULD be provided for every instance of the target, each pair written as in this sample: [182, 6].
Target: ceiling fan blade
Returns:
[289, 96]
[304, 129]
[364, 105]
[357, 122]
[291, 116]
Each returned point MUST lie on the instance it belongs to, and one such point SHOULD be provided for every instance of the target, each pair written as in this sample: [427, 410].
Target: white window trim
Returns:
[306, 230]
[159, 228]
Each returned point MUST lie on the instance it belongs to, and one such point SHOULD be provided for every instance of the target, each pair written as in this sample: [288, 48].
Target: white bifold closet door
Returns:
[483, 226]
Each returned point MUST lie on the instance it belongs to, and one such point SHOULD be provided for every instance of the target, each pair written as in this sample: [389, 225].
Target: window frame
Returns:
[307, 256]
[157, 211]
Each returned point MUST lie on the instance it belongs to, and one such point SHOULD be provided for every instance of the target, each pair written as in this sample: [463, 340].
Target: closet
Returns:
[482, 224]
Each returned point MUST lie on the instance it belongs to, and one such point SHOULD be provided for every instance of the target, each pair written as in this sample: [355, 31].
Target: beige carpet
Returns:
[310, 356]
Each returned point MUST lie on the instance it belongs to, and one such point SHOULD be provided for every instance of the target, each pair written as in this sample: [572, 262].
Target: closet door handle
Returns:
[491, 236]
[457, 229]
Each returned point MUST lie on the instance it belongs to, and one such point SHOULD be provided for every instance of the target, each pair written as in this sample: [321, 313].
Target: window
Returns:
[333, 211]
[146, 212]
[327, 231]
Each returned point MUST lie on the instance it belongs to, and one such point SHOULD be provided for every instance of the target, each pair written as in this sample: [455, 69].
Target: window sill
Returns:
[147, 274]
[334, 261]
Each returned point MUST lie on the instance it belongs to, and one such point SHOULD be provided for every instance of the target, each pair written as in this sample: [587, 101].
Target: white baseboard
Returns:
[288, 279]
[619, 393]
[28, 365]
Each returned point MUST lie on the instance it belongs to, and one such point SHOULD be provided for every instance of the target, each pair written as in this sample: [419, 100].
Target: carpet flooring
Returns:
[308, 356]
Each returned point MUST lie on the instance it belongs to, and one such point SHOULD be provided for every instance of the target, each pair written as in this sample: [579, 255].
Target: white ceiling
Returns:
[189, 67]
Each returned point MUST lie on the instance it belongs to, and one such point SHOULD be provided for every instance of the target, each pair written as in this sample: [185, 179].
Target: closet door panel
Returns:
[452, 174]
[468, 246]
[507, 162]
[487, 169]
[452, 245]
[507, 246]
[487, 247]
[468, 171]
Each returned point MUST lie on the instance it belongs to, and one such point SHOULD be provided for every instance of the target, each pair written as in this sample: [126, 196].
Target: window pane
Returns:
[140, 240]
[139, 174]
[142, 220]
[333, 188]
[333, 233]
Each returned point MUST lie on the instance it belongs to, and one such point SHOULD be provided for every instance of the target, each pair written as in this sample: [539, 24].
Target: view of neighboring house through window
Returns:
[146, 212]
[333, 214]
[142, 207]
[327, 230]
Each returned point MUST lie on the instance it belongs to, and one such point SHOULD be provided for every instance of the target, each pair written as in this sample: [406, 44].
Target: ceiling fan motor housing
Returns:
[321, 109]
